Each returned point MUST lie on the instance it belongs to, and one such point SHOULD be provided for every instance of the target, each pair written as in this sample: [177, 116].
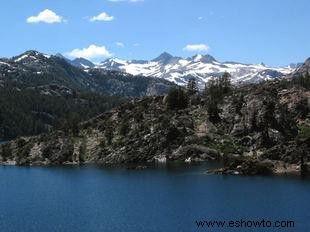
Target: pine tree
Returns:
[177, 99]
[192, 87]
[226, 82]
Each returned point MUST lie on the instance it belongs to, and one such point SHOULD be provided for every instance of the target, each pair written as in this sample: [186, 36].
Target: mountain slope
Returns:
[82, 63]
[302, 70]
[256, 133]
[34, 69]
[28, 111]
[201, 67]
[39, 93]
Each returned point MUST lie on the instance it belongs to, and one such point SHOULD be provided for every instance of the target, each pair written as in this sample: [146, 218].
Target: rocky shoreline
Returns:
[265, 167]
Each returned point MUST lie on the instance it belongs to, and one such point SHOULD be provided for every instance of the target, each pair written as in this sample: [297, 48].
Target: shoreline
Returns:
[280, 170]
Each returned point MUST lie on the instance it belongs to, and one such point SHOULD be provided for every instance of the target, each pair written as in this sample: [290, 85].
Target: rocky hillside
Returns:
[258, 129]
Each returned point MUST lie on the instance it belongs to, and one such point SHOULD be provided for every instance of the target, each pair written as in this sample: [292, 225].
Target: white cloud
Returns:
[133, 1]
[91, 53]
[120, 44]
[136, 44]
[196, 48]
[102, 17]
[46, 16]
[200, 18]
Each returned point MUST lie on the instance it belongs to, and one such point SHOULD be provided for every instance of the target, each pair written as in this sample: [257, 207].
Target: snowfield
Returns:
[200, 67]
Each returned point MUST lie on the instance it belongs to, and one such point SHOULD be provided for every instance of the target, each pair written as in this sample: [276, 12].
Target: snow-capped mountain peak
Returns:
[164, 58]
[30, 55]
[203, 58]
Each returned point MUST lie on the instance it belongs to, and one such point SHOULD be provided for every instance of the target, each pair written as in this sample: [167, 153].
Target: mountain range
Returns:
[201, 67]
[166, 67]
[33, 69]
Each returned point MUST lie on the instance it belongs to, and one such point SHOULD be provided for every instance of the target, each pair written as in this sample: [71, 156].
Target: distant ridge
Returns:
[201, 67]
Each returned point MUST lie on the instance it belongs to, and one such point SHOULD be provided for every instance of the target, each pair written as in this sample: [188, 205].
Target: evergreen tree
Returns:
[226, 82]
[192, 87]
[303, 80]
[177, 99]
[214, 92]
[108, 133]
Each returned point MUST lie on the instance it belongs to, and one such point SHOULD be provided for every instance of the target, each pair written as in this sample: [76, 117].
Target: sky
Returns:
[275, 32]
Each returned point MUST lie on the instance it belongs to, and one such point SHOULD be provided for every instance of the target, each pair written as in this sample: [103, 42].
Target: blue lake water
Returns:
[163, 199]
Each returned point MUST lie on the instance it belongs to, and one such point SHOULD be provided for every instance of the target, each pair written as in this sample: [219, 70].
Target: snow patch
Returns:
[4, 63]
[21, 58]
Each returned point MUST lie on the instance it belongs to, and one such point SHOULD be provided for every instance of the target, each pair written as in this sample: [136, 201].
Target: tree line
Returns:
[212, 94]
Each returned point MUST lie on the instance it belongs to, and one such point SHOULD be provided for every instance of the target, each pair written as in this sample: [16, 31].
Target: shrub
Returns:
[177, 99]
[6, 151]
[124, 128]
[304, 133]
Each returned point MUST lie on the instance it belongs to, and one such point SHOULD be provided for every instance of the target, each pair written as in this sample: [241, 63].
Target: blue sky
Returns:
[275, 32]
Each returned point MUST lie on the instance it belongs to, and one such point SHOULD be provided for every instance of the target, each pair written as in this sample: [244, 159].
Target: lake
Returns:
[171, 198]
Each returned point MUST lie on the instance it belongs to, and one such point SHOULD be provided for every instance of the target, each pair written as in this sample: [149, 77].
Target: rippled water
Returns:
[169, 198]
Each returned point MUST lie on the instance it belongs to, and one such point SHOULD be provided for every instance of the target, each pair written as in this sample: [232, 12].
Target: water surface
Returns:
[91, 198]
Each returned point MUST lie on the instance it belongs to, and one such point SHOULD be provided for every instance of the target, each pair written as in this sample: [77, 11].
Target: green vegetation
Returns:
[303, 133]
[299, 79]
[226, 146]
[192, 87]
[177, 99]
[303, 80]
[108, 132]
[6, 151]
[124, 128]
[214, 92]
[82, 150]
[23, 150]
[28, 112]
[126, 85]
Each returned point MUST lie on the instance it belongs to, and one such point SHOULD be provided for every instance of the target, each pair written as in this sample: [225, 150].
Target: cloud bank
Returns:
[196, 48]
[92, 52]
[46, 16]
[102, 17]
